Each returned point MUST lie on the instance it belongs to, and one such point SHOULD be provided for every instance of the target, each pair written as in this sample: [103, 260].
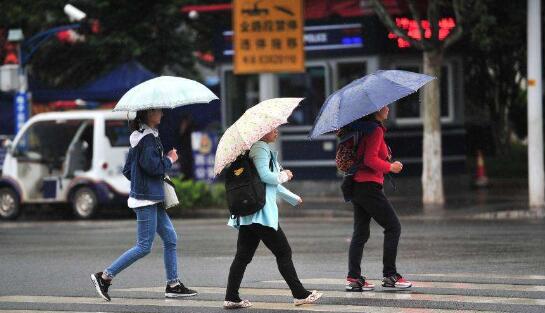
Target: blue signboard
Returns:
[204, 145]
[21, 108]
[317, 38]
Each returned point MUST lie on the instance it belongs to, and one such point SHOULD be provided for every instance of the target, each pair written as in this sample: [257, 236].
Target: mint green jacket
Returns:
[268, 216]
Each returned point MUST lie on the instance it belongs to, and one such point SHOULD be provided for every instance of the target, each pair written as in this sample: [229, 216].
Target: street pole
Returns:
[21, 105]
[536, 182]
[22, 73]
[26, 49]
[268, 87]
[22, 98]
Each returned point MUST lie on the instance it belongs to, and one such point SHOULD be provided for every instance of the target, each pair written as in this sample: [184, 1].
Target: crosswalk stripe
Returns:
[402, 296]
[215, 304]
[427, 284]
[47, 311]
[476, 275]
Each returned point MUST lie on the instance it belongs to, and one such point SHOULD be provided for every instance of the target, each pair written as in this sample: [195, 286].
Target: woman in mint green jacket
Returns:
[263, 226]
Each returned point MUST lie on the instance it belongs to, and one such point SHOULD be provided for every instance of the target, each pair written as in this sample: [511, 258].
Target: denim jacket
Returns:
[146, 166]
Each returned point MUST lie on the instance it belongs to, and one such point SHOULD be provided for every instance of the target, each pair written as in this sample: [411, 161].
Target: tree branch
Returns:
[389, 23]
[433, 18]
[456, 34]
[418, 19]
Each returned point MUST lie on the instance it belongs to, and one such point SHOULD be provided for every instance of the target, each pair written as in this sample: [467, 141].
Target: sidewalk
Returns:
[502, 199]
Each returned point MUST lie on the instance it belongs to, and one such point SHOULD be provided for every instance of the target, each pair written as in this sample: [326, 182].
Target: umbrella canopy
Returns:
[365, 96]
[252, 126]
[164, 92]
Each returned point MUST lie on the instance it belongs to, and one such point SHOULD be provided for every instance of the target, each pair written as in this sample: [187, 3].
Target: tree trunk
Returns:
[500, 126]
[432, 173]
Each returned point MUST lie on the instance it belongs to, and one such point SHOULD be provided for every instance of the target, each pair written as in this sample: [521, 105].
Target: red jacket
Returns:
[375, 157]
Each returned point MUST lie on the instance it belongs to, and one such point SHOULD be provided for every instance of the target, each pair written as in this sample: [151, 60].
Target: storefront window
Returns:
[409, 107]
[242, 92]
[310, 85]
[349, 71]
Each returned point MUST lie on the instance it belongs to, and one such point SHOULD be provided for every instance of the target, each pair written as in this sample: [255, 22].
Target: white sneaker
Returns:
[313, 297]
[228, 305]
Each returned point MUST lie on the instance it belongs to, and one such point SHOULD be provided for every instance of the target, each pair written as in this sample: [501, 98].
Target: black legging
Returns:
[249, 237]
[370, 202]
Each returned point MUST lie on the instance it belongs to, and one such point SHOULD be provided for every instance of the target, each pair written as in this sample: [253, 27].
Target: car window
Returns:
[48, 141]
[118, 133]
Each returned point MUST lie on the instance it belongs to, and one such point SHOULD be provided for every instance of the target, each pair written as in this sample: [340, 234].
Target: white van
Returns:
[67, 157]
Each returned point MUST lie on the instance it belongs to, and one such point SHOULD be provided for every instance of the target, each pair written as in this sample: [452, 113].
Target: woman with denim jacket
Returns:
[145, 168]
[263, 226]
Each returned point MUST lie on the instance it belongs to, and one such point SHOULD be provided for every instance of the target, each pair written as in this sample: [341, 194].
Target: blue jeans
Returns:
[150, 219]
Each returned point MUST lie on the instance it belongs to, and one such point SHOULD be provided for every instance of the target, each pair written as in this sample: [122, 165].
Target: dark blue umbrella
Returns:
[365, 96]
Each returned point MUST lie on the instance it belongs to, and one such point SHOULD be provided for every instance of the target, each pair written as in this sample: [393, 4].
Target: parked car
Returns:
[66, 157]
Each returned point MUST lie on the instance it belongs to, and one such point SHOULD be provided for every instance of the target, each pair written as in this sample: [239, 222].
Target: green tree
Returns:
[495, 67]
[152, 32]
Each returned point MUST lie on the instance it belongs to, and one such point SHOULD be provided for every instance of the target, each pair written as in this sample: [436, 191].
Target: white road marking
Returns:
[124, 302]
[425, 284]
[402, 295]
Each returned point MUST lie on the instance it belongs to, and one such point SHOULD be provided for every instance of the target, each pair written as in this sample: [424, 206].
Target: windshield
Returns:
[47, 141]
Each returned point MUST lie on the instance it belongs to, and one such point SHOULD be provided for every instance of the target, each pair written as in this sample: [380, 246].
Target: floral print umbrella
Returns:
[252, 126]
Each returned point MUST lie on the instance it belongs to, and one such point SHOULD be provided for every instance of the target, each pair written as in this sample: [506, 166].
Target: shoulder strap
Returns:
[357, 141]
[364, 128]
[157, 141]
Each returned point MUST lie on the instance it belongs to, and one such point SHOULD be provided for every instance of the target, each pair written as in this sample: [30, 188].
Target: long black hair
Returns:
[368, 118]
[139, 121]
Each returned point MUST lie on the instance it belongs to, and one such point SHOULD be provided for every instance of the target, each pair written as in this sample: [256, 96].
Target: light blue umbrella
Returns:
[164, 92]
[365, 96]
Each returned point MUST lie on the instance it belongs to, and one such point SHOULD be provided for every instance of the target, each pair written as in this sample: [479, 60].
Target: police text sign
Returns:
[268, 36]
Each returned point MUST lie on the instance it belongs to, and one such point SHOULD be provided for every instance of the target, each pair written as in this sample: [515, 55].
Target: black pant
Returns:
[249, 237]
[370, 202]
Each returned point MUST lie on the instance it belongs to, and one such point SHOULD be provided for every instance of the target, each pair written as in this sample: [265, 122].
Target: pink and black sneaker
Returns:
[358, 284]
[396, 281]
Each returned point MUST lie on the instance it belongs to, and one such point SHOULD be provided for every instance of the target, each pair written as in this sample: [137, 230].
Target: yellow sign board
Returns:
[268, 36]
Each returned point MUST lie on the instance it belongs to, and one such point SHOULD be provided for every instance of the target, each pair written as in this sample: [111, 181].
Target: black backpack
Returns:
[244, 189]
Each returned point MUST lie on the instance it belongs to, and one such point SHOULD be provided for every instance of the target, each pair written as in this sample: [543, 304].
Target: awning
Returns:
[109, 87]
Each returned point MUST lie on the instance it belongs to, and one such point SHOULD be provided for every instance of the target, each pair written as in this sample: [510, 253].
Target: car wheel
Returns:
[84, 203]
[10, 207]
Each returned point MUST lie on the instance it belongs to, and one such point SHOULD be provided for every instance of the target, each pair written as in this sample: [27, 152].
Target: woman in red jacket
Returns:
[370, 202]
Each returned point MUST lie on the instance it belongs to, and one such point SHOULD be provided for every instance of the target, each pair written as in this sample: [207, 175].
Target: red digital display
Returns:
[446, 24]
